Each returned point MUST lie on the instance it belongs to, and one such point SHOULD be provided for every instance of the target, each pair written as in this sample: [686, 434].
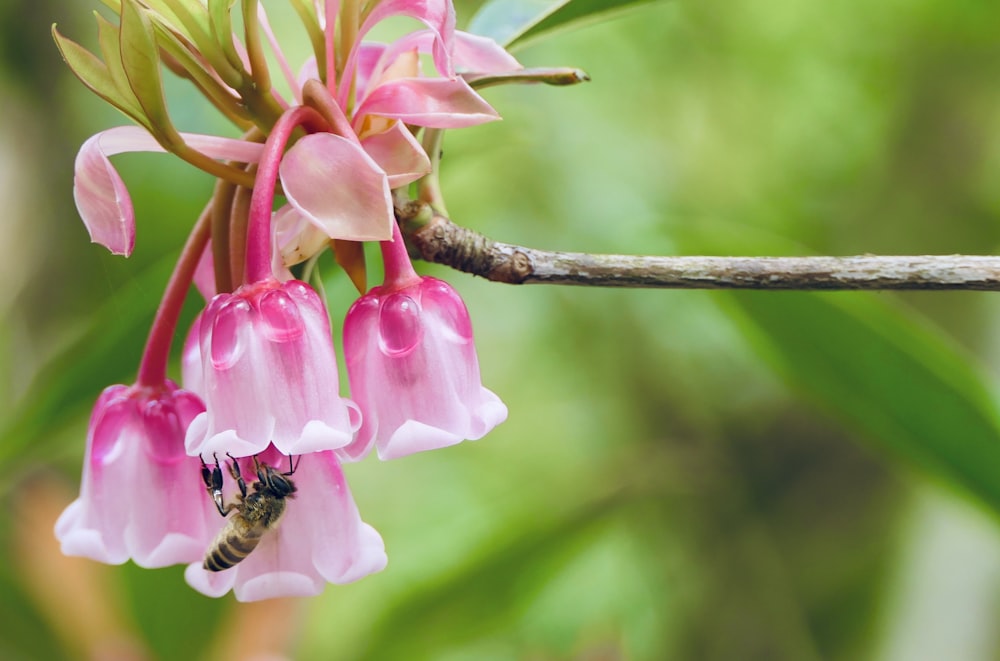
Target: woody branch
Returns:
[441, 241]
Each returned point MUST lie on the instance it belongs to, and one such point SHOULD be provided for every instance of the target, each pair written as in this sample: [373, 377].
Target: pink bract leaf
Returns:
[476, 54]
[444, 103]
[100, 194]
[369, 63]
[398, 153]
[470, 54]
[296, 239]
[338, 187]
[438, 15]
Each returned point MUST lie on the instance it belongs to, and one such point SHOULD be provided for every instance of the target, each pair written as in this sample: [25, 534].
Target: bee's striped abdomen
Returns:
[230, 548]
[255, 514]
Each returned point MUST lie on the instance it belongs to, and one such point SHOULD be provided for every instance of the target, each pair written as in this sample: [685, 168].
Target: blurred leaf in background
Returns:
[684, 475]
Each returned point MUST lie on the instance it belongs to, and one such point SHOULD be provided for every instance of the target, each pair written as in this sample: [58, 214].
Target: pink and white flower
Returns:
[140, 497]
[268, 374]
[414, 372]
[320, 539]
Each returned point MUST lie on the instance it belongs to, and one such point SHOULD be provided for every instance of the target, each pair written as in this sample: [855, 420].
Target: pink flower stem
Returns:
[153, 368]
[399, 272]
[258, 262]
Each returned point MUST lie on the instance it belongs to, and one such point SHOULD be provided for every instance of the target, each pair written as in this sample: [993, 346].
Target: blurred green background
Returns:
[684, 475]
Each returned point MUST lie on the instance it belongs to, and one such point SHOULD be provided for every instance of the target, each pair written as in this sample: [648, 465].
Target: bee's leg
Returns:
[212, 477]
[234, 470]
[260, 470]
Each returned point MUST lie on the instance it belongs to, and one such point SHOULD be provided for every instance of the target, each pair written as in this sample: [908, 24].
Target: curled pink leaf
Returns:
[476, 54]
[471, 53]
[296, 239]
[100, 194]
[398, 153]
[437, 15]
[338, 187]
[433, 102]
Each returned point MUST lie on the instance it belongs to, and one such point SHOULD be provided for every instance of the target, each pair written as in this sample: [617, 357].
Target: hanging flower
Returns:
[320, 538]
[413, 371]
[268, 374]
[412, 365]
[139, 497]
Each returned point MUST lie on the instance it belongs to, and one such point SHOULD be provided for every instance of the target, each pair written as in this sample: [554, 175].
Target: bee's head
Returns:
[275, 481]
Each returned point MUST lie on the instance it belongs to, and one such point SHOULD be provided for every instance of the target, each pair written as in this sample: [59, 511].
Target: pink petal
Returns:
[224, 149]
[434, 102]
[338, 187]
[471, 53]
[100, 194]
[369, 65]
[398, 153]
[476, 54]
[295, 240]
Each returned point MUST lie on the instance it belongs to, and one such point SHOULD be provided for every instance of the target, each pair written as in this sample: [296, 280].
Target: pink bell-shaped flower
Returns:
[140, 498]
[320, 538]
[413, 371]
[268, 374]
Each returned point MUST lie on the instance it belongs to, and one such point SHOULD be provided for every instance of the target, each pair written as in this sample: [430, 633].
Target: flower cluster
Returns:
[260, 383]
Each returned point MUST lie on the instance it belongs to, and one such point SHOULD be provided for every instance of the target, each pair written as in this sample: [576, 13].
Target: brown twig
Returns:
[444, 242]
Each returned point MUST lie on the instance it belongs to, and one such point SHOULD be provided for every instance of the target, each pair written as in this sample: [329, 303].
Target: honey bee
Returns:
[256, 513]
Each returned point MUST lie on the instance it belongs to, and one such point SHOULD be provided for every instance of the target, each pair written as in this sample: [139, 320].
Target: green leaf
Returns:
[185, 65]
[901, 382]
[221, 23]
[514, 23]
[559, 76]
[93, 73]
[110, 44]
[140, 58]
[185, 18]
[188, 20]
